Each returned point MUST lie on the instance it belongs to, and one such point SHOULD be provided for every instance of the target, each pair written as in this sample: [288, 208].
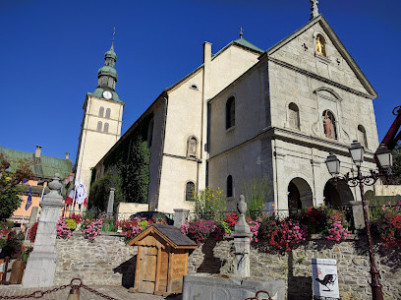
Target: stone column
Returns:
[110, 203]
[357, 212]
[41, 265]
[180, 216]
[242, 236]
[281, 195]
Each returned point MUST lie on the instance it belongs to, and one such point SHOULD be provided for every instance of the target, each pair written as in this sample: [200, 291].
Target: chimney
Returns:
[207, 52]
[38, 151]
[67, 155]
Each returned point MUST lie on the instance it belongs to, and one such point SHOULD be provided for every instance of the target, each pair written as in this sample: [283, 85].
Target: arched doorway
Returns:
[337, 195]
[299, 195]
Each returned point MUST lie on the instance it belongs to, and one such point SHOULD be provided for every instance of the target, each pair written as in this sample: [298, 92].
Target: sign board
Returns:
[325, 279]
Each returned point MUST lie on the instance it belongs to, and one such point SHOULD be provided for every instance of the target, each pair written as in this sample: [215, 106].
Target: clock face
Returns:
[107, 94]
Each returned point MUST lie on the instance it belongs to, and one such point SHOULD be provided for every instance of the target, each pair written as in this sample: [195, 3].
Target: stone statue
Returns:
[327, 126]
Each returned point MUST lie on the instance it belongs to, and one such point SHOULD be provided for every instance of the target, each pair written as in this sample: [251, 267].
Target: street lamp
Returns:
[385, 160]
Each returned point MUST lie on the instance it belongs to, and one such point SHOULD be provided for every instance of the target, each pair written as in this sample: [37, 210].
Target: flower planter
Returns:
[17, 272]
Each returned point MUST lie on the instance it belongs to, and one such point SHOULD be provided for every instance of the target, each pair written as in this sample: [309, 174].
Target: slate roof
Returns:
[45, 167]
[175, 235]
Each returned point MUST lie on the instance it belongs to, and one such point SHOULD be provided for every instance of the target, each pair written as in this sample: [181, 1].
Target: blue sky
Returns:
[51, 51]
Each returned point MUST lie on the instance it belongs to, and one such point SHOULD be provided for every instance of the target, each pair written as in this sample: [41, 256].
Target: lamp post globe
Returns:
[333, 164]
[384, 157]
[357, 151]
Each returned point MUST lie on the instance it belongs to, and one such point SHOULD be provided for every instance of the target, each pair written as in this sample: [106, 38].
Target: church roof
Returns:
[99, 91]
[44, 167]
[247, 44]
[242, 43]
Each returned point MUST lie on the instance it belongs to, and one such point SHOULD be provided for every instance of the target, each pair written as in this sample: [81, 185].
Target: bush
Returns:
[32, 232]
[199, 230]
[210, 201]
[389, 225]
[63, 231]
[71, 224]
[92, 228]
[3, 237]
[283, 235]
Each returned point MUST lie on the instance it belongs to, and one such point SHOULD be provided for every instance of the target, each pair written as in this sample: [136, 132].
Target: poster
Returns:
[325, 279]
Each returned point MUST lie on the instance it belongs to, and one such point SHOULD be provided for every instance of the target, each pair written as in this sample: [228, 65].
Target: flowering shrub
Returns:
[32, 232]
[315, 219]
[283, 235]
[337, 226]
[199, 230]
[77, 218]
[337, 232]
[254, 227]
[92, 228]
[390, 225]
[131, 228]
[71, 224]
[63, 231]
[3, 237]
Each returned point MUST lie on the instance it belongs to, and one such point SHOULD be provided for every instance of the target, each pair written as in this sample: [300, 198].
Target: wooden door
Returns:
[147, 270]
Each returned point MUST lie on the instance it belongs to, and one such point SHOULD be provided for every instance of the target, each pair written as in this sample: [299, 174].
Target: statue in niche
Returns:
[320, 45]
[328, 125]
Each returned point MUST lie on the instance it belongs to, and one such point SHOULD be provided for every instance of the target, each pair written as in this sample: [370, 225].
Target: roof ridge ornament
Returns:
[241, 33]
[314, 9]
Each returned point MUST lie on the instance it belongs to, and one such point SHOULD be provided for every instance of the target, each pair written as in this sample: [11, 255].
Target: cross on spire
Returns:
[114, 33]
[314, 9]
[241, 33]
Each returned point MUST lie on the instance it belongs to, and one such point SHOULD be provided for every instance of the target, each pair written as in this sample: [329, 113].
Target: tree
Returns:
[9, 180]
[135, 173]
[100, 192]
[396, 169]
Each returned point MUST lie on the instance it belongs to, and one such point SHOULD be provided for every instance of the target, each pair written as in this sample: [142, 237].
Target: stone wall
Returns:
[296, 269]
[105, 261]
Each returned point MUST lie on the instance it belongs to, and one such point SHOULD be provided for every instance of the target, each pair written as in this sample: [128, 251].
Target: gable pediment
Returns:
[337, 65]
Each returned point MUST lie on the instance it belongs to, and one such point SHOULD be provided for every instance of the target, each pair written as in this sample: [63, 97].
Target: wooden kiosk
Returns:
[162, 259]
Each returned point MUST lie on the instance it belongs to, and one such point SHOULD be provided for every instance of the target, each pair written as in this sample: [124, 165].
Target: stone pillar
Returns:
[180, 216]
[242, 236]
[41, 265]
[281, 192]
[110, 203]
[357, 212]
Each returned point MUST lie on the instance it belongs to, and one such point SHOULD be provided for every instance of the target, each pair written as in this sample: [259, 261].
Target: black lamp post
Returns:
[385, 160]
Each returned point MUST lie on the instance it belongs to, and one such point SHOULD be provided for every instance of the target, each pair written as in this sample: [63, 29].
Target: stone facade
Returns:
[105, 261]
[95, 140]
[296, 268]
[280, 105]
[294, 104]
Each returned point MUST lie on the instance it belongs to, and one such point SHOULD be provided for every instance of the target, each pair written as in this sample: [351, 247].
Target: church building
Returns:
[245, 114]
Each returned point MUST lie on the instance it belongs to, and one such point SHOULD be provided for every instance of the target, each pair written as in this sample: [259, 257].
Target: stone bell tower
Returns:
[101, 124]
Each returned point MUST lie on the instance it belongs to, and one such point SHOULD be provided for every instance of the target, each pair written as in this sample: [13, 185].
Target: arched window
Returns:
[362, 136]
[293, 116]
[190, 191]
[106, 127]
[320, 45]
[108, 112]
[101, 111]
[230, 112]
[99, 126]
[192, 146]
[230, 190]
[329, 125]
